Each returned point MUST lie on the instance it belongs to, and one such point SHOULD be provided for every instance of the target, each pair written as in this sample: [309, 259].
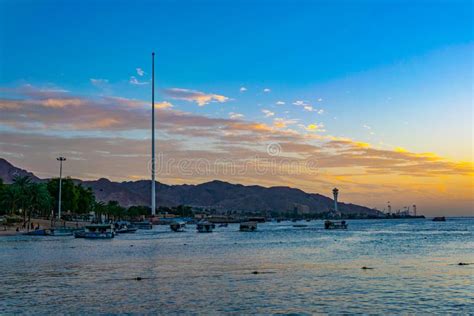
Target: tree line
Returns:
[26, 198]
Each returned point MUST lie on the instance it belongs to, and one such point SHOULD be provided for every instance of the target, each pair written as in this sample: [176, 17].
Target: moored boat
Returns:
[300, 225]
[178, 226]
[335, 225]
[248, 226]
[61, 231]
[38, 232]
[96, 231]
[124, 227]
[143, 225]
[204, 227]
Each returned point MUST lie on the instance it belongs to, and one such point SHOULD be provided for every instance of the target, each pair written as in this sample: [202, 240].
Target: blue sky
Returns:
[393, 74]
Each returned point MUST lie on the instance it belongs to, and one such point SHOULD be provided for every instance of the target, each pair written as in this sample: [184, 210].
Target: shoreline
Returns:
[42, 223]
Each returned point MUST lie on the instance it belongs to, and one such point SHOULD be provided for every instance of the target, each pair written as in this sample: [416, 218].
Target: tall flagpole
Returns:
[153, 206]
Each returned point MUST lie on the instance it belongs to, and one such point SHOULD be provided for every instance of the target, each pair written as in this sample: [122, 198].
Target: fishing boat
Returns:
[143, 225]
[335, 225]
[55, 231]
[124, 227]
[38, 232]
[178, 226]
[248, 226]
[205, 227]
[96, 231]
[439, 219]
[300, 225]
[61, 231]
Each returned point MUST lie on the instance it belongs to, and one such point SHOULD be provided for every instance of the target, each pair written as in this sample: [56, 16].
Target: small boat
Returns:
[62, 231]
[143, 225]
[96, 231]
[248, 226]
[223, 225]
[335, 225]
[205, 227]
[38, 232]
[80, 233]
[124, 227]
[300, 225]
[178, 226]
[439, 219]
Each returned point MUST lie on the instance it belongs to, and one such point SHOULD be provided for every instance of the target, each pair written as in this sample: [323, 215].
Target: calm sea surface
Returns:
[301, 270]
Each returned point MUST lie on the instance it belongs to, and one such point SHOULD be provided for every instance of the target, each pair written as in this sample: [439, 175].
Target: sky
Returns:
[374, 97]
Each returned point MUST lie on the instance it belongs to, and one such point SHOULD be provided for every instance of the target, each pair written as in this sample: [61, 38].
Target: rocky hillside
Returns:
[217, 195]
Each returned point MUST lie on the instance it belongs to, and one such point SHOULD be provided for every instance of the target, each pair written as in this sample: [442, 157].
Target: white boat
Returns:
[97, 231]
[205, 227]
[248, 226]
[178, 226]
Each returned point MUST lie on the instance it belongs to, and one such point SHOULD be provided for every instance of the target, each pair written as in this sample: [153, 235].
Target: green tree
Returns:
[69, 194]
[40, 199]
[85, 200]
[22, 185]
[114, 209]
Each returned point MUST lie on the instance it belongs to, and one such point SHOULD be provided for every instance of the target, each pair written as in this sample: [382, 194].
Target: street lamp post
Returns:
[153, 200]
[60, 159]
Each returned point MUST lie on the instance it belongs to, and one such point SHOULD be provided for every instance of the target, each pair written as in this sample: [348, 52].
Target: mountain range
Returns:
[218, 195]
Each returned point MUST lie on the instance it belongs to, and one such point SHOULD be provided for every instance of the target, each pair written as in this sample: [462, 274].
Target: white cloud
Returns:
[308, 108]
[366, 126]
[133, 80]
[140, 72]
[283, 123]
[280, 103]
[163, 105]
[200, 98]
[315, 127]
[268, 113]
[300, 103]
[320, 111]
[99, 82]
[235, 116]
[243, 89]
[320, 99]
[266, 90]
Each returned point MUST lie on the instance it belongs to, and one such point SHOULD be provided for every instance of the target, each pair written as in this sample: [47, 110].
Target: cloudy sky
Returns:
[374, 97]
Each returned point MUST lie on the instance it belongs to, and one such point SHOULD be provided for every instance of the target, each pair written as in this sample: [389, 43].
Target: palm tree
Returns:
[23, 185]
[39, 198]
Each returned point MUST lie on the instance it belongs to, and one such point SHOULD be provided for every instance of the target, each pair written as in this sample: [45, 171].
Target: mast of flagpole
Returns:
[153, 201]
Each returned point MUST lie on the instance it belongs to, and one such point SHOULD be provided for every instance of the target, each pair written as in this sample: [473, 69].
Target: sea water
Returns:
[279, 269]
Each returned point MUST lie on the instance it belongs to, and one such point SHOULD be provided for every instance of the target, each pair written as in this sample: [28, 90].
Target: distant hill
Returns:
[8, 172]
[218, 195]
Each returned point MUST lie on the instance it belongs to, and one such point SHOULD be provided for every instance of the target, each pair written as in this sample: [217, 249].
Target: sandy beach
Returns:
[43, 224]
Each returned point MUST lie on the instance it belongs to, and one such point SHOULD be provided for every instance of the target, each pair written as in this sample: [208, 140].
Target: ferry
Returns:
[248, 226]
[335, 225]
[96, 231]
[205, 227]
[178, 226]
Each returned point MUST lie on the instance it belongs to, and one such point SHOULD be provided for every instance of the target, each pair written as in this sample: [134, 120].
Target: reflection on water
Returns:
[301, 270]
